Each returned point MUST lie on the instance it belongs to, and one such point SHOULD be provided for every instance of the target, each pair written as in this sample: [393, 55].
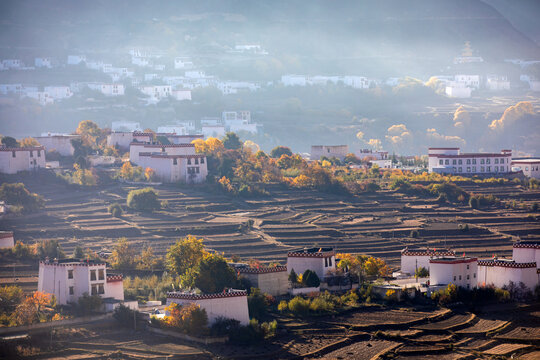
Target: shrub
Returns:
[473, 202]
[258, 303]
[421, 272]
[282, 306]
[124, 315]
[115, 210]
[299, 306]
[293, 278]
[414, 234]
[143, 199]
[320, 305]
[310, 279]
[350, 298]
[534, 207]
[280, 150]
[88, 304]
[17, 194]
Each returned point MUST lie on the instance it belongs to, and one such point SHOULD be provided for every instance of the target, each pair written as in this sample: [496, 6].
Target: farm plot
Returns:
[361, 350]
[382, 317]
[506, 349]
[447, 324]
[483, 326]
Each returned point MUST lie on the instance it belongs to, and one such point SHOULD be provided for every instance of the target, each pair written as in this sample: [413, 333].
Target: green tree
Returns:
[123, 255]
[421, 272]
[257, 303]
[280, 150]
[10, 297]
[78, 252]
[143, 199]
[231, 141]
[87, 304]
[50, 248]
[10, 142]
[214, 275]
[310, 279]
[23, 251]
[293, 278]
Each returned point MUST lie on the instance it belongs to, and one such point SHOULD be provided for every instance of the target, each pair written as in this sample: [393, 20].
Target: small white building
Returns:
[460, 271]
[42, 97]
[181, 95]
[500, 272]
[122, 139]
[236, 121]
[497, 83]
[457, 90]
[58, 92]
[370, 154]
[382, 164]
[294, 80]
[213, 131]
[182, 63]
[69, 279]
[61, 143]
[452, 161]
[329, 151]
[156, 92]
[14, 160]
[108, 89]
[270, 280]
[471, 81]
[412, 259]
[6, 89]
[319, 260]
[187, 169]
[6, 240]
[12, 64]
[135, 148]
[42, 62]
[529, 166]
[230, 305]
[76, 59]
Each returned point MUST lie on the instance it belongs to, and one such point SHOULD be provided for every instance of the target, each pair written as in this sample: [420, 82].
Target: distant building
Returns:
[229, 305]
[12, 64]
[500, 272]
[59, 143]
[457, 90]
[236, 121]
[14, 160]
[415, 258]
[122, 139]
[108, 89]
[294, 80]
[213, 131]
[42, 62]
[76, 59]
[126, 126]
[467, 56]
[329, 151]
[382, 164]
[529, 166]
[6, 89]
[319, 260]
[182, 63]
[181, 95]
[460, 271]
[58, 92]
[6, 239]
[42, 97]
[69, 279]
[369, 154]
[497, 83]
[452, 161]
[270, 280]
[156, 92]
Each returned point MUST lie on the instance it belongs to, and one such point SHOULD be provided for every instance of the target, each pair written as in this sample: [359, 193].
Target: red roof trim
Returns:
[114, 278]
[452, 261]
[507, 264]
[263, 270]
[161, 146]
[6, 234]
[478, 155]
[527, 246]
[442, 148]
[314, 255]
[52, 263]
[23, 148]
[195, 297]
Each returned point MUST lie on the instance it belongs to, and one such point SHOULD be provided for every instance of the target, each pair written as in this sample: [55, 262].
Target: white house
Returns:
[460, 271]
[182, 63]
[530, 166]
[141, 61]
[270, 280]
[69, 279]
[156, 92]
[230, 305]
[500, 272]
[457, 90]
[370, 154]
[452, 161]
[294, 80]
[382, 164]
[319, 260]
[357, 82]
[42, 97]
[60, 143]
[40, 62]
[472, 81]
[329, 151]
[239, 121]
[213, 131]
[188, 169]
[181, 139]
[108, 89]
[181, 95]
[76, 59]
[14, 160]
[497, 83]
[6, 89]
[527, 252]
[412, 259]
[122, 139]
[195, 74]
[135, 148]
[58, 92]
[6, 239]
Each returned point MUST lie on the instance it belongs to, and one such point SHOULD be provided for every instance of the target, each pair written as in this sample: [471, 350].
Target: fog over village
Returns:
[229, 179]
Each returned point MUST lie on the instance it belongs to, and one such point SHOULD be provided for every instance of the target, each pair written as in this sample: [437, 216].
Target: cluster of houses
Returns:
[374, 157]
[69, 279]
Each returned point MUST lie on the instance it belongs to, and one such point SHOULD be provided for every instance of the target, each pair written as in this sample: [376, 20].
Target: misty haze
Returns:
[238, 179]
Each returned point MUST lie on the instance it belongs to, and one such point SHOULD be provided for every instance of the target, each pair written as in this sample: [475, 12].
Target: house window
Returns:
[460, 169]
[189, 161]
[468, 161]
[71, 291]
[488, 161]
[459, 277]
[460, 161]
[13, 154]
[496, 161]
[454, 278]
[440, 161]
[31, 153]
[467, 267]
[174, 161]
[502, 161]
[454, 162]
[446, 162]
[482, 161]
[481, 169]
[101, 274]
[92, 275]
[329, 261]
[202, 160]
[325, 262]
[70, 274]
[496, 168]
[39, 153]
[474, 275]
[467, 277]
[94, 290]
[488, 169]
[162, 149]
[197, 169]
[468, 286]
[101, 289]
[474, 161]
[474, 169]
[196, 161]
[468, 169]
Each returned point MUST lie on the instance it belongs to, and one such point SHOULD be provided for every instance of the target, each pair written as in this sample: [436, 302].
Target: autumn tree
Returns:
[184, 257]
[90, 132]
[149, 174]
[31, 309]
[17, 194]
[231, 141]
[50, 248]
[143, 199]
[28, 142]
[10, 297]
[148, 260]
[123, 255]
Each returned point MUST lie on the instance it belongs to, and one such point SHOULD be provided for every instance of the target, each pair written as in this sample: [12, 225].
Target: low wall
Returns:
[53, 324]
[205, 340]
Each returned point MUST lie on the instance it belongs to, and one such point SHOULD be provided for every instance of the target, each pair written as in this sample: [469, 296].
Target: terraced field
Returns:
[378, 224]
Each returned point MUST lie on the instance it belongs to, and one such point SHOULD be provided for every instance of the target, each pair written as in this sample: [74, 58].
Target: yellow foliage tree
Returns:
[28, 142]
[149, 174]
